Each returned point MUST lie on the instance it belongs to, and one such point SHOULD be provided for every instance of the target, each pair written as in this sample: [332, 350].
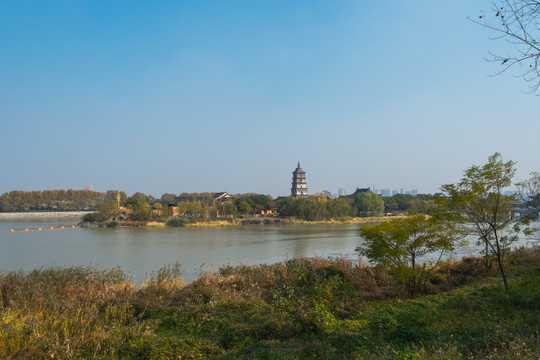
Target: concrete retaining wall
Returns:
[35, 215]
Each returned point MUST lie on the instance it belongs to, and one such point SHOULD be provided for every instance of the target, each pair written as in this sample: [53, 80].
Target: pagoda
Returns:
[299, 187]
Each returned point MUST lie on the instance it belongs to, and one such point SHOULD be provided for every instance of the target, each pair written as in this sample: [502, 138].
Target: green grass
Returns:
[299, 309]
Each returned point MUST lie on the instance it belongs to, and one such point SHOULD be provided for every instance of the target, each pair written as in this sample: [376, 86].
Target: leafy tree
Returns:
[420, 203]
[253, 203]
[110, 195]
[517, 22]
[243, 206]
[400, 242]
[530, 192]
[140, 210]
[227, 208]
[162, 212]
[52, 200]
[167, 198]
[107, 211]
[479, 197]
[367, 204]
[5, 206]
[313, 208]
[137, 196]
[337, 208]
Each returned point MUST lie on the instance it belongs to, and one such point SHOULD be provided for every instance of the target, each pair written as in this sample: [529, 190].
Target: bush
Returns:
[343, 218]
[112, 224]
[164, 283]
[91, 217]
[404, 322]
[177, 222]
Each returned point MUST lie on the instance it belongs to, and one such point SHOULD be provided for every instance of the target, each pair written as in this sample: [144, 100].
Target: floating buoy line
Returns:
[41, 229]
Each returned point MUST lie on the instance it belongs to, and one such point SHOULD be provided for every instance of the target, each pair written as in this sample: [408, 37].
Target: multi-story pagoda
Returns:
[299, 187]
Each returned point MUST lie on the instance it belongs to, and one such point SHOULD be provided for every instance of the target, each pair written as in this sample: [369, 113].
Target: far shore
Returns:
[210, 223]
[42, 214]
[282, 221]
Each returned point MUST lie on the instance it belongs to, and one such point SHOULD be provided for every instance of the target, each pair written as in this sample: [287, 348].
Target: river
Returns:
[141, 251]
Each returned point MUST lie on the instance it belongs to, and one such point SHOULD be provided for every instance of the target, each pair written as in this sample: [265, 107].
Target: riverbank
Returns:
[288, 221]
[297, 309]
[348, 220]
[256, 220]
[44, 214]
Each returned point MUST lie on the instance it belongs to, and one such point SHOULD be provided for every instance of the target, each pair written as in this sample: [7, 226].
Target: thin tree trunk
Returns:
[500, 261]
[501, 268]
[487, 256]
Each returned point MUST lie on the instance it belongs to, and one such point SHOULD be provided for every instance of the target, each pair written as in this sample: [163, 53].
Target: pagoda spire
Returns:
[299, 187]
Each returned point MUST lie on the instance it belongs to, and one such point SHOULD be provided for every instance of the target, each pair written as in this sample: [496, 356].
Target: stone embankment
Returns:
[37, 215]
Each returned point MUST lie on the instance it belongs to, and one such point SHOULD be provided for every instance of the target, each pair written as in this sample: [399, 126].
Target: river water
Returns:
[141, 251]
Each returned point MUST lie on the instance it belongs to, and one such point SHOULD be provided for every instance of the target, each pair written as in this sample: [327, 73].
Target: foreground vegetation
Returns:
[299, 309]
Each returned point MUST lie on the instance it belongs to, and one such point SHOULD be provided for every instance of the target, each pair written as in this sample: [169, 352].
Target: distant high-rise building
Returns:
[414, 192]
[341, 192]
[299, 187]
[88, 187]
[385, 192]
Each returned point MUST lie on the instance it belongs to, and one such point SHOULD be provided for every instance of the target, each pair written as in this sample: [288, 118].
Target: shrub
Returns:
[164, 283]
[177, 222]
[343, 218]
[404, 322]
[112, 224]
[91, 217]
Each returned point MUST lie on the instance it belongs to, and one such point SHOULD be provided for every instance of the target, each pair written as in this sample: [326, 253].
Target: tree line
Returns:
[316, 207]
[56, 200]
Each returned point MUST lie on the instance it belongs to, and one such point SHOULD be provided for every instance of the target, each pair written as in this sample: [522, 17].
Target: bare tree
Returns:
[516, 21]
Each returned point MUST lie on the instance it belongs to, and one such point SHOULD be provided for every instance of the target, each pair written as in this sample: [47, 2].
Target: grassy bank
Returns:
[299, 309]
[236, 222]
[343, 220]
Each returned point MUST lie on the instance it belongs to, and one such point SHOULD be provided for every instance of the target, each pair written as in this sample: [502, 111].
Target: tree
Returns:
[399, 243]
[140, 210]
[479, 197]
[338, 208]
[107, 211]
[227, 208]
[243, 206]
[167, 198]
[367, 204]
[253, 203]
[530, 192]
[517, 22]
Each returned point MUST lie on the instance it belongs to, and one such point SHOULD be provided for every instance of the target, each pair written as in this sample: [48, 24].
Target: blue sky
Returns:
[185, 96]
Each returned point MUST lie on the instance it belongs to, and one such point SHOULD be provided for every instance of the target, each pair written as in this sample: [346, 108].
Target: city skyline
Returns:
[173, 97]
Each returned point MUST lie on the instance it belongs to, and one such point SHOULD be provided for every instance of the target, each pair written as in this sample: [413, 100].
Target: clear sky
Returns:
[212, 95]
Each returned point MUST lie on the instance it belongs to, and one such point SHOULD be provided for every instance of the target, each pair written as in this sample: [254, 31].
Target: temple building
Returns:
[358, 191]
[299, 187]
